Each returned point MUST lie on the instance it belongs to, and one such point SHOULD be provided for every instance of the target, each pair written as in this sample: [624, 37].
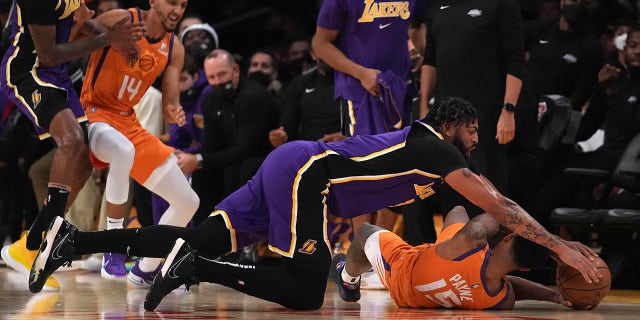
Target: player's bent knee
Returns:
[365, 231]
[72, 142]
[124, 152]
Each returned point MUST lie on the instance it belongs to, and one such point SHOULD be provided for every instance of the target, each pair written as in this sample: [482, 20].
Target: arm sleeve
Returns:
[252, 127]
[511, 29]
[437, 156]
[39, 12]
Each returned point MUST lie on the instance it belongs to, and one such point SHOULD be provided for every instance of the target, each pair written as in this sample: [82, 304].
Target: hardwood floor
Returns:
[85, 295]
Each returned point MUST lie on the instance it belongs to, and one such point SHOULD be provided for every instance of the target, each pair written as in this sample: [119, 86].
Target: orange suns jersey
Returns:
[112, 88]
[429, 281]
[115, 86]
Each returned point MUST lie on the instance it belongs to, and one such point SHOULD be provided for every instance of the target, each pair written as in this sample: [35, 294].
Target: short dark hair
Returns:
[452, 110]
[271, 54]
[528, 254]
[190, 66]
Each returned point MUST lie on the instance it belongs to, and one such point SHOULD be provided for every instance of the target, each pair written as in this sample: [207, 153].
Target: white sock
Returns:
[346, 277]
[113, 223]
[149, 264]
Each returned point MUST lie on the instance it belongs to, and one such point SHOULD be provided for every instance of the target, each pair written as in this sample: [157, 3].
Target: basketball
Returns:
[574, 288]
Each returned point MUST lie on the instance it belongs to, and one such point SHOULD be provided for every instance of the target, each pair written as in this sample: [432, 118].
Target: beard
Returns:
[460, 145]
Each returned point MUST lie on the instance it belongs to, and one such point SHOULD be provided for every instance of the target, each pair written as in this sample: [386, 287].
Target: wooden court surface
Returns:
[84, 295]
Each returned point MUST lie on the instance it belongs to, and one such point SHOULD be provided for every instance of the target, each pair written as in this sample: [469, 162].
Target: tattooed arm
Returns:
[482, 193]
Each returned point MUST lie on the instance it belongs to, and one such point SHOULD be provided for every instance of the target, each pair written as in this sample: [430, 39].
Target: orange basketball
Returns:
[574, 288]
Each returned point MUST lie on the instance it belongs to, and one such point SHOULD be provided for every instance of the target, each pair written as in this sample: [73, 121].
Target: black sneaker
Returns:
[56, 250]
[179, 268]
[348, 292]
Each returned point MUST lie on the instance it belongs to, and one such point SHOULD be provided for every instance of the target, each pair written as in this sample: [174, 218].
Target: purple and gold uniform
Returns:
[345, 178]
[373, 34]
[37, 90]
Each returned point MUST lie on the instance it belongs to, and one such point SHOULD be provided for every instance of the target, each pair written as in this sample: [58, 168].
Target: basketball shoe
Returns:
[19, 258]
[348, 292]
[179, 268]
[56, 250]
[140, 279]
[113, 267]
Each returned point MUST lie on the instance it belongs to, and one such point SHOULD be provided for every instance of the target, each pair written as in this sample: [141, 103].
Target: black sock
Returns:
[57, 196]
[211, 238]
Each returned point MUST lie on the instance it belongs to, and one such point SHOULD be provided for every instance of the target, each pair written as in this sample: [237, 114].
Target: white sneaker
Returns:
[370, 281]
[93, 263]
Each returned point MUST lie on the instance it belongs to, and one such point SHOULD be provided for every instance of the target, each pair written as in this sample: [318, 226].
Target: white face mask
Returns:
[620, 41]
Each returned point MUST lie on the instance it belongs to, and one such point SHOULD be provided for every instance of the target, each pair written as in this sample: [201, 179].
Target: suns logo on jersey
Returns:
[70, 6]
[36, 97]
[146, 62]
[374, 10]
[309, 247]
[424, 191]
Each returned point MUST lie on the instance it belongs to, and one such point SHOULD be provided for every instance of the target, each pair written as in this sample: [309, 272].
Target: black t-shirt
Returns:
[310, 109]
[474, 44]
[237, 128]
[564, 63]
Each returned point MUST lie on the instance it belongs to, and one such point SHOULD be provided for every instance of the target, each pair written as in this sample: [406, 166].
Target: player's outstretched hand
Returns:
[123, 37]
[580, 262]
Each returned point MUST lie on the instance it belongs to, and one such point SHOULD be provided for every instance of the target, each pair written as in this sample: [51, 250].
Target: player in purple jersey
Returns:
[287, 203]
[360, 40]
[35, 78]
[366, 43]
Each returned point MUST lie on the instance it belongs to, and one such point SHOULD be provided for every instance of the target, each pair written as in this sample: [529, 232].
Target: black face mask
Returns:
[260, 77]
[199, 51]
[296, 65]
[576, 14]
[189, 96]
[224, 89]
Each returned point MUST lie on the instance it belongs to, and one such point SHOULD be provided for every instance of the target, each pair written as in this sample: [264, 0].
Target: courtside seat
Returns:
[577, 217]
[622, 219]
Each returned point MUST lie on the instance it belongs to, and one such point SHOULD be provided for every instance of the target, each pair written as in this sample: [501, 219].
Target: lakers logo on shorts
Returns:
[36, 97]
[309, 247]
[424, 191]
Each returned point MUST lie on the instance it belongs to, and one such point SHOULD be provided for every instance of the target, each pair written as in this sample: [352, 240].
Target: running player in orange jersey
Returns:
[110, 90]
[458, 271]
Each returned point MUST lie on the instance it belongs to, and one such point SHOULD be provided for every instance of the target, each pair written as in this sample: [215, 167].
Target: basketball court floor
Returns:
[85, 295]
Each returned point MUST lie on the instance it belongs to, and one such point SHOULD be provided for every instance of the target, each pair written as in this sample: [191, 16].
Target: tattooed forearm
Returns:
[520, 222]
